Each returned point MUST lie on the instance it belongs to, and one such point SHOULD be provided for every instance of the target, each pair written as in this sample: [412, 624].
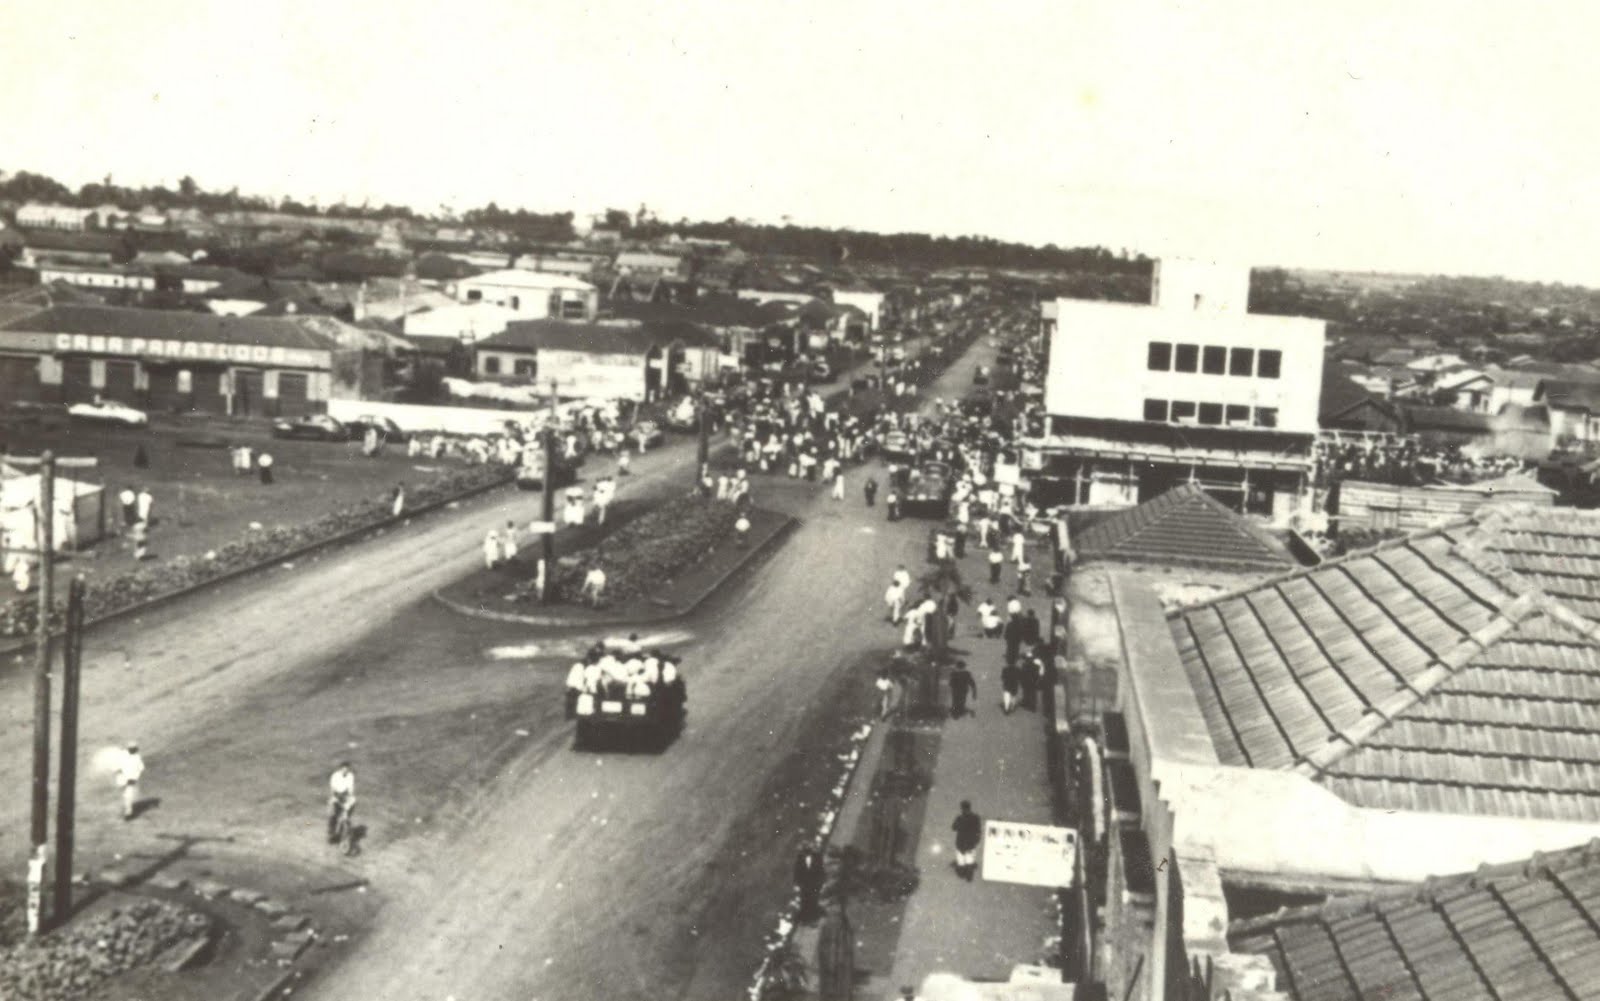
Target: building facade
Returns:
[35, 215]
[1190, 388]
[166, 362]
[532, 295]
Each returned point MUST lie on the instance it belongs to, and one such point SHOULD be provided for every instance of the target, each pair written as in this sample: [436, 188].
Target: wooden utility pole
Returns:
[548, 490]
[41, 695]
[703, 452]
[67, 771]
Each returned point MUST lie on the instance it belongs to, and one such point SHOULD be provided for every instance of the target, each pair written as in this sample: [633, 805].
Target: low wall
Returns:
[421, 417]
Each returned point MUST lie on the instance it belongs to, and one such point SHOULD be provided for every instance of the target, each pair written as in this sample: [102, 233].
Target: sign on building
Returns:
[1032, 854]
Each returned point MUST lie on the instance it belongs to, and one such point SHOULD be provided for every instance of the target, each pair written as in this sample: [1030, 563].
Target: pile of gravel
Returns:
[68, 963]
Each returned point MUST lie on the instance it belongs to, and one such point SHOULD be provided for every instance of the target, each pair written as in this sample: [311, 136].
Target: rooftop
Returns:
[1530, 930]
[628, 338]
[518, 278]
[1185, 526]
[114, 321]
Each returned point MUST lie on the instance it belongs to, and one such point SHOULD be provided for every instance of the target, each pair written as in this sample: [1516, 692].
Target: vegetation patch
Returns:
[652, 549]
[70, 963]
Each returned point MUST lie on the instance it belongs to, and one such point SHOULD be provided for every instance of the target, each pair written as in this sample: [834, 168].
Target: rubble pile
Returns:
[67, 964]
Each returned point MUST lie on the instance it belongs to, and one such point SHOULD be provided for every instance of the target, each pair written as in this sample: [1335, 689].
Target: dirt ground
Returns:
[199, 502]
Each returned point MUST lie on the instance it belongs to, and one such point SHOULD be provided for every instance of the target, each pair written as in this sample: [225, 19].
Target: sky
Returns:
[1434, 137]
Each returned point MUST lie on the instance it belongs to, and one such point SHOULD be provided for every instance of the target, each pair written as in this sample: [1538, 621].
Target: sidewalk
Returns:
[980, 930]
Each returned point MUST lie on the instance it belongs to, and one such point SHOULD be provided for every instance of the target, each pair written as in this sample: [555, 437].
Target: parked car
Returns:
[110, 411]
[387, 429]
[928, 494]
[315, 427]
[897, 445]
[646, 435]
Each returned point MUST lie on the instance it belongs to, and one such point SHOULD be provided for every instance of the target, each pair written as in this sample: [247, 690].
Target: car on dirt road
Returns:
[388, 430]
[897, 445]
[109, 411]
[314, 427]
[928, 492]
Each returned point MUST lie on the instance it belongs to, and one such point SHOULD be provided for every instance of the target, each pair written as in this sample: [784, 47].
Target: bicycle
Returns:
[344, 830]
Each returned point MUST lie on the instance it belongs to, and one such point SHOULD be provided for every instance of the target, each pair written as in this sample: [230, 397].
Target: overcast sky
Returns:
[1442, 137]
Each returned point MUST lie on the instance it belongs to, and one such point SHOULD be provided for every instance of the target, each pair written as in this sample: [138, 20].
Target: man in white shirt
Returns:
[902, 576]
[341, 796]
[575, 686]
[129, 772]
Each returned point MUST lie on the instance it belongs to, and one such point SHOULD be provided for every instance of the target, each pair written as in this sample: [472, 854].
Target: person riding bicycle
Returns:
[341, 798]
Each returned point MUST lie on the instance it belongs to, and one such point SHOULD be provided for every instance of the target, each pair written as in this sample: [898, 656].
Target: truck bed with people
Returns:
[621, 694]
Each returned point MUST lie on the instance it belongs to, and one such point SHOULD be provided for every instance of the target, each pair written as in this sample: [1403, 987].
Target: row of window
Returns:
[521, 366]
[1216, 414]
[1213, 360]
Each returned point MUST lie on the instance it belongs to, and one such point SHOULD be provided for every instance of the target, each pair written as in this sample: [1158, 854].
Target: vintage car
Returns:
[315, 427]
[110, 411]
[928, 491]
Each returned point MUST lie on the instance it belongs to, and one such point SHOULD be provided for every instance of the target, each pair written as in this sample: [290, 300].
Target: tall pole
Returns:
[549, 494]
[703, 452]
[67, 770]
[41, 692]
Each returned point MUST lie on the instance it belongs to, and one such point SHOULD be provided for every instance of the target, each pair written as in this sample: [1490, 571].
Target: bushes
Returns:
[652, 549]
[19, 615]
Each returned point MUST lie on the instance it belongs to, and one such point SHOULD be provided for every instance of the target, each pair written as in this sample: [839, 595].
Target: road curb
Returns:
[756, 552]
[16, 645]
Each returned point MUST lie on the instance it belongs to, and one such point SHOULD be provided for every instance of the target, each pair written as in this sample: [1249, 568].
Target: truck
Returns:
[622, 716]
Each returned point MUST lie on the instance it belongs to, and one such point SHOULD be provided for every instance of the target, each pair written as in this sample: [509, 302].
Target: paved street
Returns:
[502, 863]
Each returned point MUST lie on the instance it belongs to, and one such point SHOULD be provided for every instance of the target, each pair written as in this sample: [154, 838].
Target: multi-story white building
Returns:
[1190, 388]
[532, 295]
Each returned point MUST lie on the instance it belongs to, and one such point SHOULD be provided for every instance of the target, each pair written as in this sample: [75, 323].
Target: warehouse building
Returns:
[613, 359]
[165, 362]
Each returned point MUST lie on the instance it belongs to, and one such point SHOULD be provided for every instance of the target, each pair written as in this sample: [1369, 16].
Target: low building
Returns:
[1387, 507]
[644, 264]
[868, 301]
[37, 215]
[465, 323]
[1422, 708]
[1189, 388]
[614, 359]
[532, 295]
[1574, 411]
[68, 247]
[168, 361]
[191, 279]
[1347, 405]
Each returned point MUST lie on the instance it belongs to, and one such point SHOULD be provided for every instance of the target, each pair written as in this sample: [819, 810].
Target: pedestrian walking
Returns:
[1013, 636]
[969, 835]
[130, 506]
[140, 534]
[902, 577]
[508, 543]
[869, 491]
[891, 501]
[1029, 674]
[838, 485]
[741, 529]
[264, 467]
[810, 875]
[604, 491]
[996, 561]
[397, 502]
[146, 502]
[491, 549]
[885, 687]
[129, 772]
[623, 462]
[1010, 684]
[962, 685]
[894, 598]
[1019, 545]
[594, 585]
[1024, 577]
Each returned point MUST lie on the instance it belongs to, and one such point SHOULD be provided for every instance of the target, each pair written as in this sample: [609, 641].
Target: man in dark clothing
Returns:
[869, 490]
[961, 686]
[969, 833]
[1013, 634]
[1030, 627]
[1010, 681]
[996, 561]
[809, 876]
[1029, 672]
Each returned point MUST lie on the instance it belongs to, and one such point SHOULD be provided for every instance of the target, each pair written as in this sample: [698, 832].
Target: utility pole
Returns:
[548, 491]
[41, 695]
[67, 771]
[703, 453]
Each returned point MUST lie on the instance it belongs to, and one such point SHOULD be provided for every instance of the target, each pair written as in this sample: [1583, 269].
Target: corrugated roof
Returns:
[115, 321]
[1184, 526]
[1530, 931]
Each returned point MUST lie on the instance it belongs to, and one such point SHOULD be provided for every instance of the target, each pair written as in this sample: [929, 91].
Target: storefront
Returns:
[165, 362]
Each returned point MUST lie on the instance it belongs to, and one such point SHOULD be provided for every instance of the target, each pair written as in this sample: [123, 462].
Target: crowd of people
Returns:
[1403, 460]
[623, 669]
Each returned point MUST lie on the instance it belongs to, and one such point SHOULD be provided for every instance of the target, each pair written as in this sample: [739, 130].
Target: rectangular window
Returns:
[1241, 361]
[525, 366]
[1160, 356]
[491, 365]
[1183, 411]
[1155, 410]
[1210, 413]
[1187, 358]
[474, 295]
[1270, 364]
[1215, 361]
[516, 302]
[1238, 415]
[185, 381]
[1266, 417]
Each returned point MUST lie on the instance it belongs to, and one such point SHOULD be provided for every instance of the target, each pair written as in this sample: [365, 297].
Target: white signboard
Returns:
[1006, 473]
[541, 527]
[1034, 854]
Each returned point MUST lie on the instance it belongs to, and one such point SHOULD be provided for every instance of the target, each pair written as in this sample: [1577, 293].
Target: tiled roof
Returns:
[117, 321]
[1424, 674]
[1184, 526]
[1523, 932]
[1556, 549]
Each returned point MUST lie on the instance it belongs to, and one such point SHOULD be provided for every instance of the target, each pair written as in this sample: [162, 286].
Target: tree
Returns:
[188, 189]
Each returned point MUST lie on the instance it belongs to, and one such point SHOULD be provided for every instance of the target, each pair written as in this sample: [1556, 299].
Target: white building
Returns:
[465, 322]
[866, 300]
[532, 295]
[38, 216]
[1190, 388]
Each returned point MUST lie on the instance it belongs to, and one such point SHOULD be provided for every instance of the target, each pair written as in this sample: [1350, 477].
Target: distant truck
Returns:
[530, 474]
[620, 714]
